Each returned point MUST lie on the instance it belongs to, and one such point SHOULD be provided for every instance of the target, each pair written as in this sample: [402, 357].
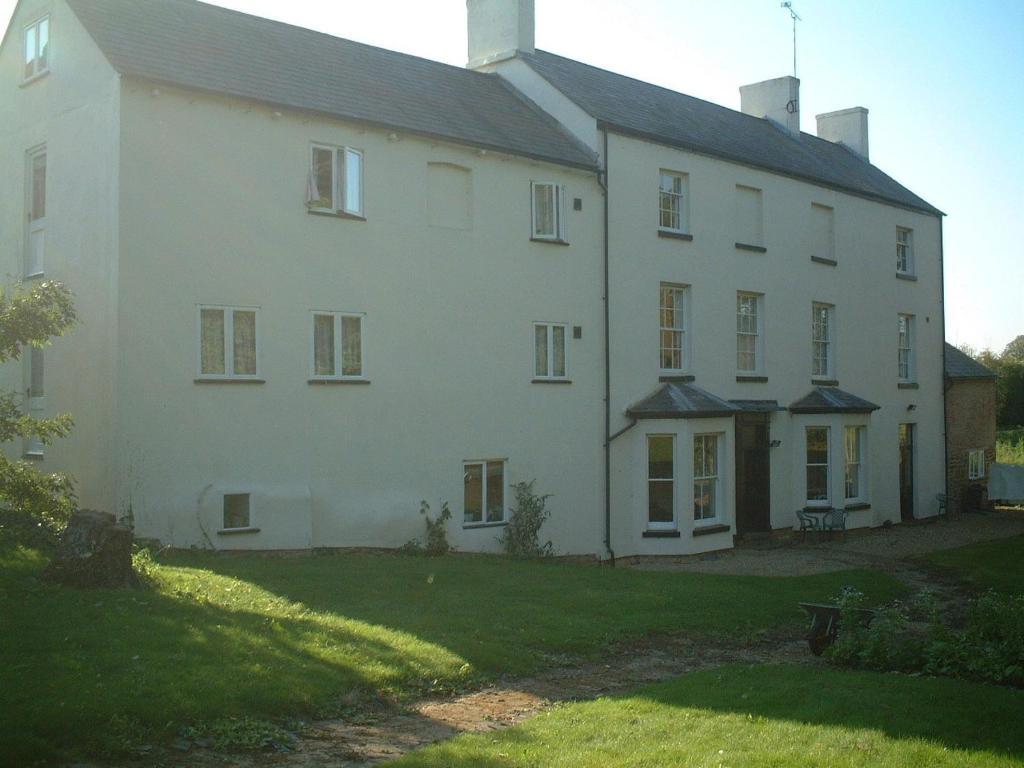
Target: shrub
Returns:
[521, 537]
[437, 533]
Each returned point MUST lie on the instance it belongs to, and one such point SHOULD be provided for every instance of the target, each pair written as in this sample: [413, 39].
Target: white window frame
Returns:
[558, 200]
[976, 464]
[662, 525]
[549, 375]
[859, 462]
[904, 251]
[482, 463]
[32, 29]
[340, 193]
[716, 479]
[229, 344]
[35, 401]
[35, 229]
[681, 199]
[827, 501]
[339, 350]
[905, 363]
[682, 327]
[251, 523]
[758, 333]
[828, 341]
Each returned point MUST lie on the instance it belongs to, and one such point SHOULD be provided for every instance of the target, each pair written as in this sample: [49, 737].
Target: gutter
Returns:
[602, 180]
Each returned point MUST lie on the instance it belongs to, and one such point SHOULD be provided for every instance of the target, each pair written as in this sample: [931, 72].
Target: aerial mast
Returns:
[795, 17]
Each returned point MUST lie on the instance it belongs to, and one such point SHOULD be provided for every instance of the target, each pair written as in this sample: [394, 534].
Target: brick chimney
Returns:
[848, 127]
[499, 29]
[778, 100]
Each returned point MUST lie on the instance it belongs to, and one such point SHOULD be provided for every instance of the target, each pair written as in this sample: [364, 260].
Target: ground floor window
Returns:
[484, 492]
[975, 465]
[236, 511]
[817, 466]
[228, 344]
[705, 477]
[660, 481]
[854, 444]
[337, 345]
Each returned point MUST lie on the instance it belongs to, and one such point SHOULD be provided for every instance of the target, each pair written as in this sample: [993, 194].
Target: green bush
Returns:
[437, 533]
[521, 537]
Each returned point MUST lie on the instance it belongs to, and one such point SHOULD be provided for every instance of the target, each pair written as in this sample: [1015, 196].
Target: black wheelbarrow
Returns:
[825, 623]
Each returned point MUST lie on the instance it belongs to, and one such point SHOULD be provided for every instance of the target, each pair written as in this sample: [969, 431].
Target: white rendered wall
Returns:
[448, 338]
[74, 112]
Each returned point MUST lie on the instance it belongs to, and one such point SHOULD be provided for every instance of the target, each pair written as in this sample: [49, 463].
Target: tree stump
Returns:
[94, 552]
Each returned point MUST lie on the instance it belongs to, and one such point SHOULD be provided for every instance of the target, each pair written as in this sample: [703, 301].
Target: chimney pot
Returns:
[778, 100]
[499, 29]
[848, 127]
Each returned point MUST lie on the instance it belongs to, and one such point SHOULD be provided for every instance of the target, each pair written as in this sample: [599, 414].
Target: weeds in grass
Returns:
[1010, 446]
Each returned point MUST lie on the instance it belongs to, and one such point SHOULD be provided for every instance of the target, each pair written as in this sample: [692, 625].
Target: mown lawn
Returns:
[995, 565]
[754, 717]
[87, 672]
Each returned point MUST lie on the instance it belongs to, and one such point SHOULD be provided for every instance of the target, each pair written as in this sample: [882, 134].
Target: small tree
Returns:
[521, 537]
[31, 319]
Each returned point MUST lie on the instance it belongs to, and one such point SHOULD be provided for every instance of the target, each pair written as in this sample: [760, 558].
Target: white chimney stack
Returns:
[778, 100]
[499, 29]
[848, 127]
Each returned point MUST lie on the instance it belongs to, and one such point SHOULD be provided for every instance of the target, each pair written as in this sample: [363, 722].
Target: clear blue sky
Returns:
[943, 80]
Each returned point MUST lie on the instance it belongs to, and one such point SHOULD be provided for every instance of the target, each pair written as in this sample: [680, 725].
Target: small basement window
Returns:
[236, 511]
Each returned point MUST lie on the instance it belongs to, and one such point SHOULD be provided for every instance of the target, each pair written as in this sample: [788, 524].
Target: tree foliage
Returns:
[30, 318]
[1009, 370]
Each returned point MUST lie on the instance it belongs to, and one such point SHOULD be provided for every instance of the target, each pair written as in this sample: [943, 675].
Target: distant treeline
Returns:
[1009, 369]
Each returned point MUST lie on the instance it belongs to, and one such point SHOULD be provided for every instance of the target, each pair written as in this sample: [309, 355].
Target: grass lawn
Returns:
[996, 564]
[763, 716]
[85, 672]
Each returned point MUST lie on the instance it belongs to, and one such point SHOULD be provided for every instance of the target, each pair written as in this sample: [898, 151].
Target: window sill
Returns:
[549, 240]
[857, 506]
[471, 526]
[336, 382]
[34, 276]
[34, 79]
[908, 385]
[823, 260]
[707, 530]
[237, 531]
[752, 379]
[672, 234]
[825, 382]
[205, 380]
[906, 276]
[751, 248]
[33, 456]
[335, 214]
[681, 378]
[551, 381]
[661, 534]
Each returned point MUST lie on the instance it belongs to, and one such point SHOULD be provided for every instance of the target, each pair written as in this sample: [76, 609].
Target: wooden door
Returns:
[907, 471]
[753, 474]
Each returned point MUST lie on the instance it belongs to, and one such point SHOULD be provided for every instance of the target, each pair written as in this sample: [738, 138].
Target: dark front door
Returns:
[907, 471]
[753, 497]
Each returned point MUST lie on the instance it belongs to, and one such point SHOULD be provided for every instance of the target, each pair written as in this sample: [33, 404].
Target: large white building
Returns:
[321, 281]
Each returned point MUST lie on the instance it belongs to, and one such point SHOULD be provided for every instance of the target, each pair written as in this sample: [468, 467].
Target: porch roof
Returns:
[831, 400]
[677, 400]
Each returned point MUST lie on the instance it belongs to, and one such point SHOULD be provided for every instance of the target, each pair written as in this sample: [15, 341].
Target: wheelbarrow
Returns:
[825, 624]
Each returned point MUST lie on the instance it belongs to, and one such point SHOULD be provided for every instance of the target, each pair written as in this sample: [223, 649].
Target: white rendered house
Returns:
[321, 281]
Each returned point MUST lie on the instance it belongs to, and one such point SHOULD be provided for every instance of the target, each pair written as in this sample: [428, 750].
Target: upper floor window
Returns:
[818, 472]
[36, 201]
[672, 214]
[37, 48]
[854, 445]
[672, 314]
[905, 355]
[549, 351]
[705, 478]
[822, 353]
[483, 492]
[749, 216]
[975, 465]
[228, 343]
[904, 251]
[335, 180]
[548, 211]
[35, 393]
[337, 345]
[823, 246]
[748, 332]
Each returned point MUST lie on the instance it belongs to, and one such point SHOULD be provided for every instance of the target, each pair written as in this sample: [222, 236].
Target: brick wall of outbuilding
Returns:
[970, 426]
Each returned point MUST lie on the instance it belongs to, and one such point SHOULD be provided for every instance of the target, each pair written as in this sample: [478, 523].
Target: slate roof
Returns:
[831, 400]
[200, 46]
[758, 406]
[675, 400]
[961, 366]
[666, 116]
